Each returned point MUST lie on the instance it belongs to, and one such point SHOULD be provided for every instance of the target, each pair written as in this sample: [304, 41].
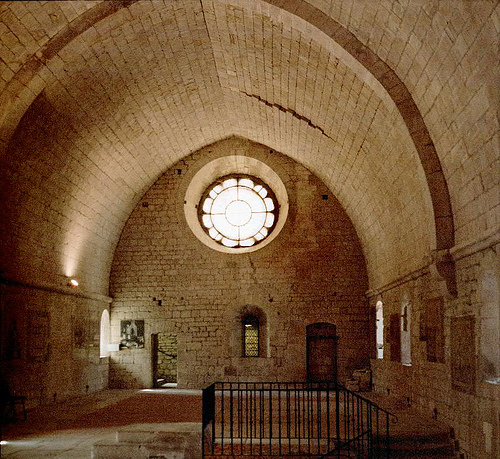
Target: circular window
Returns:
[238, 211]
[200, 182]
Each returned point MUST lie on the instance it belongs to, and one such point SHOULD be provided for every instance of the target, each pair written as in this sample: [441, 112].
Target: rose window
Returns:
[238, 211]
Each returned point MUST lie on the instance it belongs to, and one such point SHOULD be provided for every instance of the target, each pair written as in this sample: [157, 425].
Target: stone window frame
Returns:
[237, 332]
[198, 180]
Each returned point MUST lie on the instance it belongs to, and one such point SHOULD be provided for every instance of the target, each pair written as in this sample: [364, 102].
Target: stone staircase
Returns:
[437, 445]
[416, 435]
[180, 440]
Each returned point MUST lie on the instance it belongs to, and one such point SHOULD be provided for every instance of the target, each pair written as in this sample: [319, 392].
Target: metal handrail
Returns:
[355, 394]
[291, 418]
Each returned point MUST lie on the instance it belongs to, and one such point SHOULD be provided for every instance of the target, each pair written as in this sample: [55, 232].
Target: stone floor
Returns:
[69, 429]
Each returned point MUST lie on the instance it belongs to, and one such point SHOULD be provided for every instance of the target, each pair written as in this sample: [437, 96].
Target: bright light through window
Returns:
[238, 211]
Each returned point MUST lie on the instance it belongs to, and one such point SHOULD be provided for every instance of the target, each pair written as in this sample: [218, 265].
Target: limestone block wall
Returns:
[459, 385]
[167, 357]
[314, 271]
[49, 347]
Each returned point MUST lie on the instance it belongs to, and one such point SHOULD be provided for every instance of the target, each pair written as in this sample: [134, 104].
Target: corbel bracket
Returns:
[442, 268]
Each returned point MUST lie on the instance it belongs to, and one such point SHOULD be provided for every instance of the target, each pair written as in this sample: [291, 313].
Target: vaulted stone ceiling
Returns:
[114, 93]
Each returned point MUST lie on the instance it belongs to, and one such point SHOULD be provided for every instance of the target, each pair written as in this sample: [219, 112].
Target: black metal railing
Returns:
[283, 419]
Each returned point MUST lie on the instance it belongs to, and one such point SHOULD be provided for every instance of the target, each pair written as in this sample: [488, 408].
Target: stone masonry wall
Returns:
[459, 389]
[49, 346]
[314, 271]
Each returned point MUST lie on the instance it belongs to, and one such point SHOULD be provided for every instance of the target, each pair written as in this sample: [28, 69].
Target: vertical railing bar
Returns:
[253, 425]
[222, 416]
[358, 430]
[305, 422]
[318, 417]
[378, 429]
[279, 417]
[270, 419]
[349, 407]
[299, 433]
[328, 426]
[250, 421]
[387, 438]
[337, 417]
[248, 396]
[288, 418]
[231, 418]
[308, 417]
[353, 417]
[304, 411]
[255, 410]
[370, 430]
[363, 427]
[240, 409]
[215, 415]
[347, 421]
[311, 414]
[261, 418]
[244, 412]
[240, 415]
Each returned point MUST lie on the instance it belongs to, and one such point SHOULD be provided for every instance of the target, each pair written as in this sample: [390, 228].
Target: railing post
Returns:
[270, 418]
[337, 418]
[387, 438]
[208, 415]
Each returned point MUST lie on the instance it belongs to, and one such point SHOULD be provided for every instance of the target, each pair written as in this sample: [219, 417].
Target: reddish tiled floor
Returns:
[69, 429]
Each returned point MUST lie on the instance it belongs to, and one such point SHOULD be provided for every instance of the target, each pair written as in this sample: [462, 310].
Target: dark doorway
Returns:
[322, 352]
[164, 360]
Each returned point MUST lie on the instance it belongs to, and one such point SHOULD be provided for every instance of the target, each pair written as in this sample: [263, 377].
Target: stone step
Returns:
[135, 451]
[152, 441]
[149, 433]
[439, 445]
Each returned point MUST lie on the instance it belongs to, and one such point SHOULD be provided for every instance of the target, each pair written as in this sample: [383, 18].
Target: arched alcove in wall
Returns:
[246, 316]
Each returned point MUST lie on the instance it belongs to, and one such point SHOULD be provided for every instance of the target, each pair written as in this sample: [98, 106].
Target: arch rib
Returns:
[441, 263]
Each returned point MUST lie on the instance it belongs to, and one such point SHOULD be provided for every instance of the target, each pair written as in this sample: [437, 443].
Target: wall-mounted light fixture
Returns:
[73, 283]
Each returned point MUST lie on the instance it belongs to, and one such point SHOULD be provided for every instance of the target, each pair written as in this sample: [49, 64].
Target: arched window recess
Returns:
[251, 336]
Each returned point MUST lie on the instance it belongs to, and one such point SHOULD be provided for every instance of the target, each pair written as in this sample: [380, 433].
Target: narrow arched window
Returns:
[105, 334]
[380, 329]
[251, 336]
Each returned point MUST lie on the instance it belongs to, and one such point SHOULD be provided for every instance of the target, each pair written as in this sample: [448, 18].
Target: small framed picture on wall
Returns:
[132, 334]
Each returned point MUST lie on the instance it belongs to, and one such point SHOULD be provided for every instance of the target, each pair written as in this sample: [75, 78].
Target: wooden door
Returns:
[321, 352]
